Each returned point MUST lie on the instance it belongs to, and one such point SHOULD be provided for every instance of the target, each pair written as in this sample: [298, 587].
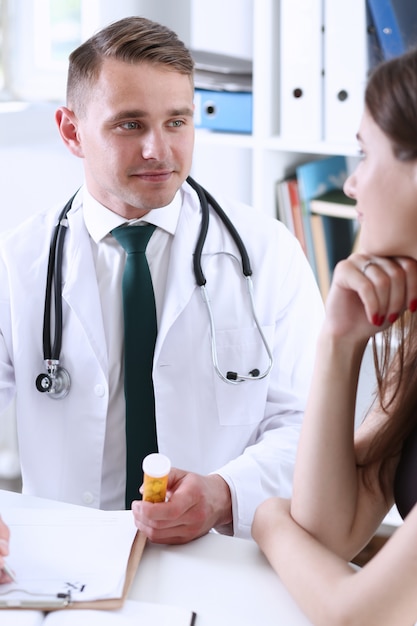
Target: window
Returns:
[57, 31]
[38, 36]
[2, 44]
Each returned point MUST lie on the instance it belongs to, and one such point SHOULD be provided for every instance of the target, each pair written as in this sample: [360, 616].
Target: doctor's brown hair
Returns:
[131, 40]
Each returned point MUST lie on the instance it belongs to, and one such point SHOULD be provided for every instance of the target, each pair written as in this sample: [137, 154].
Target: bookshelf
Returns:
[248, 166]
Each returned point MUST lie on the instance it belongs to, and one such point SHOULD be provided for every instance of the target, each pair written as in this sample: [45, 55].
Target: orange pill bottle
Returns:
[156, 468]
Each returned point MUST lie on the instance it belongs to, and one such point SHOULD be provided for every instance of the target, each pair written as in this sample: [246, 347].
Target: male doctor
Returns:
[129, 117]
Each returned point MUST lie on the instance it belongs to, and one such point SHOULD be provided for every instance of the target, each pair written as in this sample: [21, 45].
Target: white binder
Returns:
[301, 64]
[345, 68]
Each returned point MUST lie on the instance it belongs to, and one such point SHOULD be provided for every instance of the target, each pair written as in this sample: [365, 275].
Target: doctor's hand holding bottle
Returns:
[194, 504]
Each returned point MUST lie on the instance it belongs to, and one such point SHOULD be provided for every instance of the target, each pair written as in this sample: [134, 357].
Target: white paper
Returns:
[83, 551]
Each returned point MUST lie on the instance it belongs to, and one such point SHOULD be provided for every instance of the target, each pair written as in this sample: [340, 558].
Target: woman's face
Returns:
[385, 190]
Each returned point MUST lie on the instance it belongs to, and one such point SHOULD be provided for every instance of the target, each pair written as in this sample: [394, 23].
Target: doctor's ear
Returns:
[68, 128]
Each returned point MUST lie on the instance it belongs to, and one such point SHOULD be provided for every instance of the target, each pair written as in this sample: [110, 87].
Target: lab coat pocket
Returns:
[242, 351]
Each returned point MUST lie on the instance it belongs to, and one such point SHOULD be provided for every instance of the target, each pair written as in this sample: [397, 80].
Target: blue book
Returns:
[314, 179]
[340, 237]
[387, 27]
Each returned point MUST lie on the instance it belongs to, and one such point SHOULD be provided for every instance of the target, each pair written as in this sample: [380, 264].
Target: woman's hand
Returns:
[369, 293]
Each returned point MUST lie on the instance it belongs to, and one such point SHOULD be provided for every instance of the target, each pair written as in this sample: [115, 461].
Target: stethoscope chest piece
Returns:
[55, 382]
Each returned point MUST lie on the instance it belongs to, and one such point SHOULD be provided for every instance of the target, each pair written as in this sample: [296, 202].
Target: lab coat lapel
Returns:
[80, 289]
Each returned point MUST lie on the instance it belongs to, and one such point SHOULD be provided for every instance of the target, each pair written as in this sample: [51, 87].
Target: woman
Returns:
[344, 485]
[4, 551]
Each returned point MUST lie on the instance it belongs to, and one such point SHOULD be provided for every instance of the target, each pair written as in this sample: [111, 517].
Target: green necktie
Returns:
[140, 335]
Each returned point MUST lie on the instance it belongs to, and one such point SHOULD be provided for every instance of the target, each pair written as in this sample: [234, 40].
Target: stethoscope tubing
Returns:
[51, 351]
[234, 378]
[205, 199]
[58, 377]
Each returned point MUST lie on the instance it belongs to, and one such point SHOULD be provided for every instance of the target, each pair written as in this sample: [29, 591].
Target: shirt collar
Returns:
[100, 221]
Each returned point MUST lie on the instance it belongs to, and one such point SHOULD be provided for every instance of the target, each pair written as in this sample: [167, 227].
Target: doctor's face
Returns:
[385, 189]
[135, 134]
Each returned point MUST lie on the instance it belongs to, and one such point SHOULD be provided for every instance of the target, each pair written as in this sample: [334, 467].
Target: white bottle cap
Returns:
[156, 465]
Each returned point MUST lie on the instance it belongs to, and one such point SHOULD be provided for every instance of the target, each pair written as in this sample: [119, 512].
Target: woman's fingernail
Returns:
[413, 305]
[377, 320]
[393, 318]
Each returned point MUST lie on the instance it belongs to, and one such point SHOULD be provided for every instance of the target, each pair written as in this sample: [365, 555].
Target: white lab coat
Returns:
[247, 433]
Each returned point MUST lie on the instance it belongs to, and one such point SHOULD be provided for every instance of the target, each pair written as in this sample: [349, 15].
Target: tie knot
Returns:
[133, 238]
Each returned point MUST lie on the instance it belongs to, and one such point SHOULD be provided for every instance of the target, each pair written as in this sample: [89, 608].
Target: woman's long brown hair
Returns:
[391, 100]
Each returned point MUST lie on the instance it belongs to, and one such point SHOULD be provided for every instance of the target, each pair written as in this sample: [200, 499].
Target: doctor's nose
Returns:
[154, 146]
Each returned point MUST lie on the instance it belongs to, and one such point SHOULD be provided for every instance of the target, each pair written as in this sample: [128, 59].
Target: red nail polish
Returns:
[378, 320]
[413, 305]
[393, 318]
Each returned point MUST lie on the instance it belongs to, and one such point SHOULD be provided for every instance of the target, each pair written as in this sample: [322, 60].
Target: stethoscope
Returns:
[56, 381]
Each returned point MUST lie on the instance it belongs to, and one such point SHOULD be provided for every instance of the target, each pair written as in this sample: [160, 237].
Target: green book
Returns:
[334, 203]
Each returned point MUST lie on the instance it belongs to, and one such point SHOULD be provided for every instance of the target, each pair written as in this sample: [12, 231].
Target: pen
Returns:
[6, 570]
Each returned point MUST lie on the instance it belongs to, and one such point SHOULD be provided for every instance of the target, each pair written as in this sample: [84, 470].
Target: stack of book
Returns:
[314, 207]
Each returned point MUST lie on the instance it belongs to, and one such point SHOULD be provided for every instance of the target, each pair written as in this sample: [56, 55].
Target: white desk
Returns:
[227, 581]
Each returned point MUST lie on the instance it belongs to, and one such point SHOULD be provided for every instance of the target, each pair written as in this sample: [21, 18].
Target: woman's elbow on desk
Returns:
[326, 587]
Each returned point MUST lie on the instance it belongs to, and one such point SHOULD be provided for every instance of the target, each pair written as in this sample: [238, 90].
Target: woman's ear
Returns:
[67, 123]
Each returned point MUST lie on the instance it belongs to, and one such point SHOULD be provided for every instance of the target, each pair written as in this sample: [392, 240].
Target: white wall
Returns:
[36, 169]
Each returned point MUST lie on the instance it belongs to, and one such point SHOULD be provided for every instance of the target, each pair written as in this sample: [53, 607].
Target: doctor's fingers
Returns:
[154, 521]
[177, 535]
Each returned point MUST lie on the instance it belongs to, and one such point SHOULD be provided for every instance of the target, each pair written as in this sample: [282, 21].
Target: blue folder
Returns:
[226, 111]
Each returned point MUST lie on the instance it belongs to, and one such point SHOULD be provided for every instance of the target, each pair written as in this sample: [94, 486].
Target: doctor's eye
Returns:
[130, 125]
[176, 123]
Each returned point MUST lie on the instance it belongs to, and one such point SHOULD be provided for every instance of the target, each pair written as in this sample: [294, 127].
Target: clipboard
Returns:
[135, 556]
[26, 598]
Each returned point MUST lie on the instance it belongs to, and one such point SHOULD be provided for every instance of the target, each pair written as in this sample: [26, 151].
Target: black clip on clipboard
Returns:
[43, 602]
